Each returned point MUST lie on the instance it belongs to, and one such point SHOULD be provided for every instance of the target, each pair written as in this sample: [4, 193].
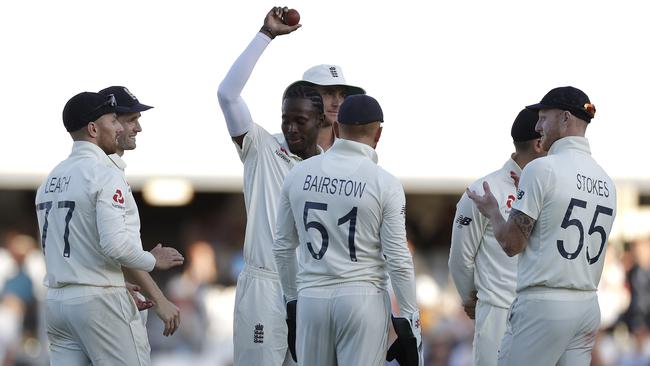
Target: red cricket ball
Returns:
[291, 17]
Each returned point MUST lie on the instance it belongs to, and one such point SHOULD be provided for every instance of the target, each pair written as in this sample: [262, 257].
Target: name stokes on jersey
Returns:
[591, 185]
[57, 184]
[334, 186]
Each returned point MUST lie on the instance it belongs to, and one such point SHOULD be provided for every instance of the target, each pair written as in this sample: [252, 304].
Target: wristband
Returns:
[268, 31]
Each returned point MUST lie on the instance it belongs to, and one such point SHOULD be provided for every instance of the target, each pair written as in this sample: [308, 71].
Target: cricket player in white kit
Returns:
[260, 329]
[91, 318]
[564, 212]
[129, 111]
[347, 217]
[484, 276]
[329, 81]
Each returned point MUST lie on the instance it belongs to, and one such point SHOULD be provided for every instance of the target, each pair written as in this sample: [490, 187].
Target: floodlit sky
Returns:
[450, 76]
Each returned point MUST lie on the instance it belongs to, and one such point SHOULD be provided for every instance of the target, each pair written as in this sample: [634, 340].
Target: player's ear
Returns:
[378, 134]
[91, 129]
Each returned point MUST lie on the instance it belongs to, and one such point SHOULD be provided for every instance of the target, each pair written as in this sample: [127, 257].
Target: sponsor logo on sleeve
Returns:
[283, 154]
[118, 199]
[510, 201]
[520, 194]
[463, 221]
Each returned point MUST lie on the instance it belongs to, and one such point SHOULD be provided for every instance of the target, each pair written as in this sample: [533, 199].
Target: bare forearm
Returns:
[143, 279]
[513, 234]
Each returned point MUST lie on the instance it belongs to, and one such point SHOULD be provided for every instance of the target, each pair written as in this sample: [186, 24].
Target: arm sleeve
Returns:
[111, 225]
[392, 233]
[466, 236]
[535, 180]
[238, 117]
[286, 242]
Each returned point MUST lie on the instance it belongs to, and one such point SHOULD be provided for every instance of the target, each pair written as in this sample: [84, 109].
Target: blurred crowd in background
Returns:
[210, 235]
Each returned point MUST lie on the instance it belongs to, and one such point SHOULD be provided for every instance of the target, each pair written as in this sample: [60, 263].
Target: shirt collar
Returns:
[512, 166]
[578, 143]
[118, 161]
[90, 149]
[351, 148]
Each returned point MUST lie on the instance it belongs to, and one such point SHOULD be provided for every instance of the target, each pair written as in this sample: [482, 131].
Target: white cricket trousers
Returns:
[489, 329]
[260, 325]
[344, 325]
[95, 325]
[551, 327]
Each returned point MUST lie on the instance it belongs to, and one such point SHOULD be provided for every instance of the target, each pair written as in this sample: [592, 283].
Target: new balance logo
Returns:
[403, 210]
[463, 221]
[258, 334]
[334, 72]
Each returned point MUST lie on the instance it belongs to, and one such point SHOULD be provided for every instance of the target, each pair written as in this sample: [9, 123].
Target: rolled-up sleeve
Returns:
[111, 224]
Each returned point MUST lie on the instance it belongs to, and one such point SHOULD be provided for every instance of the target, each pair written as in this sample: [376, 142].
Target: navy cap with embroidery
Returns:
[126, 101]
[523, 128]
[360, 109]
[570, 99]
[87, 107]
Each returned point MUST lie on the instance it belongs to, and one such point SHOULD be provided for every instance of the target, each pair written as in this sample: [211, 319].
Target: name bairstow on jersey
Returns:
[334, 186]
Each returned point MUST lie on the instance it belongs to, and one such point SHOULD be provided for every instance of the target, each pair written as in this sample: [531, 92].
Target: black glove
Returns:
[407, 348]
[291, 324]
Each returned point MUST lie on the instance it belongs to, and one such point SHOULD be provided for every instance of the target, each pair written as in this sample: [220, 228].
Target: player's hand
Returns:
[274, 21]
[407, 348]
[486, 204]
[167, 257]
[470, 306]
[140, 301]
[169, 314]
[291, 324]
[515, 178]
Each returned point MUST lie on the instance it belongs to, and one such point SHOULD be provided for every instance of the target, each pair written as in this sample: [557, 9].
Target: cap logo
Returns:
[130, 94]
[334, 72]
[590, 109]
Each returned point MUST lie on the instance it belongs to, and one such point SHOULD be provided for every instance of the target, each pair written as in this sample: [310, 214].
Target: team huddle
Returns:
[325, 235]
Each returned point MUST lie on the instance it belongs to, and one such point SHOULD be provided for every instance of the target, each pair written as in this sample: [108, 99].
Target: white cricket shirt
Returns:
[267, 160]
[81, 210]
[573, 202]
[132, 213]
[476, 260]
[347, 216]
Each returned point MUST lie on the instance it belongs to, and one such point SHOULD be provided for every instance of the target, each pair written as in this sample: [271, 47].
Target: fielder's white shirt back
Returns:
[574, 203]
[476, 260]
[347, 216]
[81, 211]
[267, 160]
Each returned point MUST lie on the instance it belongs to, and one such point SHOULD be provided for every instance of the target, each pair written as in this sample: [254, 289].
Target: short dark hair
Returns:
[298, 91]
[524, 146]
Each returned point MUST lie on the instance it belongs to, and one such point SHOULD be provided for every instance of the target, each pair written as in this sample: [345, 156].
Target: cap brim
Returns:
[349, 89]
[538, 106]
[134, 108]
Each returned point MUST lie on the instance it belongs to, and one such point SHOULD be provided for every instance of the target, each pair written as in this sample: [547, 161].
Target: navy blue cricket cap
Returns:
[523, 128]
[570, 99]
[126, 101]
[360, 109]
[87, 107]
